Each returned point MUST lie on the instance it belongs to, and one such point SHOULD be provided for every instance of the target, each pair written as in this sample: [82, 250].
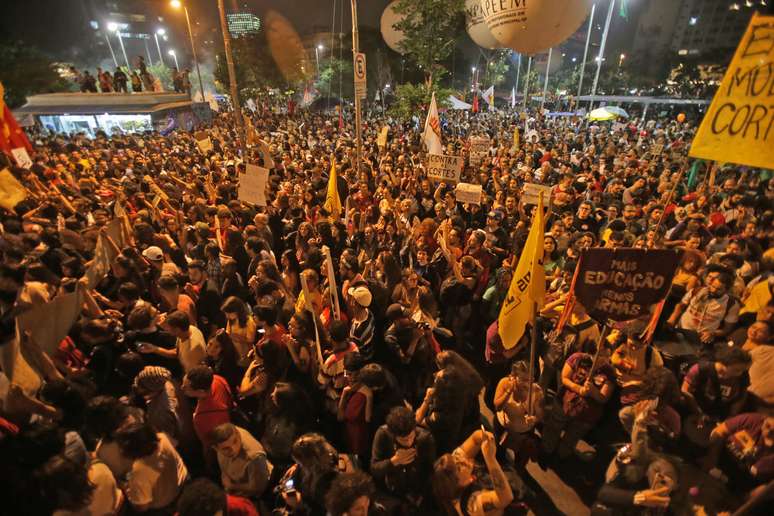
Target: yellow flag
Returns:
[11, 190]
[332, 200]
[516, 137]
[528, 285]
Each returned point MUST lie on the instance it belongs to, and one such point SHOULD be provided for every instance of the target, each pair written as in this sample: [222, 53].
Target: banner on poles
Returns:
[252, 185]
[738, 126]
[444, 168]
[622, 284]
[468, 193]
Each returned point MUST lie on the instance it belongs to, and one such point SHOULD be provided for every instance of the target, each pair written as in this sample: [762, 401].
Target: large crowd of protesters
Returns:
[135, 79]
[215, 368]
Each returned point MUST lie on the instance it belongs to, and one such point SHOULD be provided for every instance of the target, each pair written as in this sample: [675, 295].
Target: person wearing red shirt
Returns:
[214, 401]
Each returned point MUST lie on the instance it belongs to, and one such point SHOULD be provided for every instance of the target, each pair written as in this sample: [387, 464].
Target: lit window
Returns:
[733, 7]
[693, 20]
[94, 24]
[682, 52]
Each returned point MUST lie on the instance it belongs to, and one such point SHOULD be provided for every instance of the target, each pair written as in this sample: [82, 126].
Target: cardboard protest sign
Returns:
[622, 284]
[252, 185]
[48, 323]
[444, 168]
[17, 368]
[532, 193]
[22, 158]
[381, 140]
[468, 193]
[739, 124]
[656, 149]
[479, 149]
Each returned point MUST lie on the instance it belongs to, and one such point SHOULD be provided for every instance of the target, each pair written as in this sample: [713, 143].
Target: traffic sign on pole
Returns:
[360, 75]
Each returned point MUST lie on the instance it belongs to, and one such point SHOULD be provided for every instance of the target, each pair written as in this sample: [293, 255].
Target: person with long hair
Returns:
[457, 489]
[223, 358]
[240, 326]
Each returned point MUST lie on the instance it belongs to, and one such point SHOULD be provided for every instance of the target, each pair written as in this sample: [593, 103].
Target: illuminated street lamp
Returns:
[159, 32]
[113, 27]
[177, 5]
[174, 56]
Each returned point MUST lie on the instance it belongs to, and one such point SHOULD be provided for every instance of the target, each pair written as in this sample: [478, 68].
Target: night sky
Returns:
[58, 26]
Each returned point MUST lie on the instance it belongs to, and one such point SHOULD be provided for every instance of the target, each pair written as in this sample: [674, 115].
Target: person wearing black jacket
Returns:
[207, 296]
[402, 458]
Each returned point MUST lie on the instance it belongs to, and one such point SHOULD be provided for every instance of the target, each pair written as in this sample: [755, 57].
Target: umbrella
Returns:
[602, 114]
[618, 111]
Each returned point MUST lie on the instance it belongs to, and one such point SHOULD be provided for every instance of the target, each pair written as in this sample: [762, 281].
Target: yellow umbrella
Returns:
[601, 114]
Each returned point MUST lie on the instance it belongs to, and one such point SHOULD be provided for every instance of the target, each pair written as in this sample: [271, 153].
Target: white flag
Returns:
[513, 97]
[489, 97]
[432, 134]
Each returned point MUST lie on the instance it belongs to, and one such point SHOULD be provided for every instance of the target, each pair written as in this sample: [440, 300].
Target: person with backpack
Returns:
[707, 314]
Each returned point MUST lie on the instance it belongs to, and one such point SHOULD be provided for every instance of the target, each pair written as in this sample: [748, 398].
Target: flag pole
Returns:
[518, 72]
[533, 345]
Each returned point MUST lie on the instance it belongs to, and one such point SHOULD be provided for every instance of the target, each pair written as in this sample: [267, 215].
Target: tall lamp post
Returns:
[177, 5]
[174, 56]
[110, 47]
[159, 32]
[113, 27]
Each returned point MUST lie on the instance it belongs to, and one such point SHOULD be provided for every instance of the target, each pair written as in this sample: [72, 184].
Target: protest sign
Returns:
[468, 193]
[22, 158]
[263, 150]
[444, 168]
[204, 145]
[622, 284]
[381, 140]
[479, 149]
[656, 149]
[48, 323]
[532, 193]
[739, 124]
[252, 185]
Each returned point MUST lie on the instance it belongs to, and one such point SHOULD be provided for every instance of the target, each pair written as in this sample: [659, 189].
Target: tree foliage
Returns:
[414, 99]
[431, 28]
[253, 64]
[24, 70]
[333, 72]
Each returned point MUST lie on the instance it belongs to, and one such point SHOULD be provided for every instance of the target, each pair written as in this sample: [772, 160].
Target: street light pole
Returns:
[545, 84]
[112, 54]
[355, 50]
[174, 56]
[231, 76]
[586, 48]
[158, 47]
[123, 50]
[177, 4]
[601, 52]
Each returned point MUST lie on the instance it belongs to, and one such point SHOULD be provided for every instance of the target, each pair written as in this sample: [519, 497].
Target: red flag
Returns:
[11, 135]
[475, 103]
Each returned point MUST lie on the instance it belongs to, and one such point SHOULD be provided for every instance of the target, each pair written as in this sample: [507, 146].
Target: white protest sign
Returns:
[468, 193]
[656, 149]
[444, 168]
[532, 193]
[21, 157]
[618, 126]
[252, 185]
[479, 149]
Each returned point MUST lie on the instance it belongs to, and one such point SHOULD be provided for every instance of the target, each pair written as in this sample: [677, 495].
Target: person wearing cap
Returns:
[363, 321]
[166, 409]
[155, 257]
